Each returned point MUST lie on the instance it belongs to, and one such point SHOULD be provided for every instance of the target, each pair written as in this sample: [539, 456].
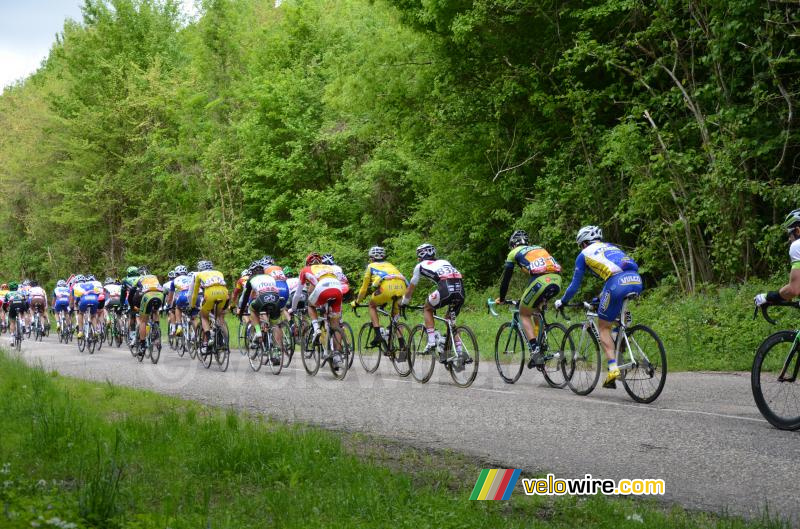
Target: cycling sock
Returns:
[431, 335]
[533, 343]
[315, 325]
[612, 365]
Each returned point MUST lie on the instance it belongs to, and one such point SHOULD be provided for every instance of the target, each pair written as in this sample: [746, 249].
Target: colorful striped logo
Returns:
[495, 484]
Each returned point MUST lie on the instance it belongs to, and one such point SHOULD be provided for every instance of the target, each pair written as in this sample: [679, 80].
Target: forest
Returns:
[150, 137]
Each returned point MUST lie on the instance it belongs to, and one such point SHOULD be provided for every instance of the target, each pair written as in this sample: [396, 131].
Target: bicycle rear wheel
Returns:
[340, 353]
[509, 353]
[554, 355]
[91, 340]
[401, 359]
[311, 352]
[773, 379]
[368, 355]
[155, 342]
[222, 351]
[464, 368]
[422, 359]
[645, 381]
[284, 347]
[581, 365]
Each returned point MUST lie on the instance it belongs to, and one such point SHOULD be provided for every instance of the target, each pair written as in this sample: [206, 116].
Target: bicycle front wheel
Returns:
[581, 365]
[255, 351]
[222, 352]
[311, 352]
[340, 353]
[509, 353]
[351, 340]
[464, 367]
[774, 380]
[423, 359]
[401, 359]
[279, 351]
[645, 380]
[554, 355]
[368, 355]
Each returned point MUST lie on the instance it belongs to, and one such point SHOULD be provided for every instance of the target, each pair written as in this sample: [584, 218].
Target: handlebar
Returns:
[491, 303]
[765, 310]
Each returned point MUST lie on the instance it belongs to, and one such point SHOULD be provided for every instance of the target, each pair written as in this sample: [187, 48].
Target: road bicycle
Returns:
[299, 323]
[152, 340]
[265, 349]
[457, 349]
[218, 348]
[89, 339]
[640, 354]
[64, 327]
[511, 343]
[113, 329]
[329, 345]
[38, 327]
[773, 377]
[18, 333]
[393, 344]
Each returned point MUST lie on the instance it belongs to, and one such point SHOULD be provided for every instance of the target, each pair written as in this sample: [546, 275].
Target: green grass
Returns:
[78, 454]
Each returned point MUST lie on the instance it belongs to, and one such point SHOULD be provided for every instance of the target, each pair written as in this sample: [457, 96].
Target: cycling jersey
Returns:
[238, 288]
[533, 260]
[113, 291]
[215, 292]
[436, 271]
[276, 273]
[292, 283]
[263, 294]
[127, 289]
[325, 285]
[17, 303]
[25, 291]
[794, 254]
[38, 292]
[385, 281]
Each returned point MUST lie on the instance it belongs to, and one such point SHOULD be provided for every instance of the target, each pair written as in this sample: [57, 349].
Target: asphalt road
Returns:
[703, 436]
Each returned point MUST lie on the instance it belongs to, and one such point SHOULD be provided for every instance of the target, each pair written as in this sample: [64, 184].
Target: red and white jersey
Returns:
[438, 270]
[311, 275]
[275, 272]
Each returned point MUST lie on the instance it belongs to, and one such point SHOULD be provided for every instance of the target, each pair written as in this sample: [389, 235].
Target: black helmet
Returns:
[518, 238]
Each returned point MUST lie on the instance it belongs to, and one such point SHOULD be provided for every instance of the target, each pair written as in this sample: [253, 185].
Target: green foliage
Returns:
[336, 125]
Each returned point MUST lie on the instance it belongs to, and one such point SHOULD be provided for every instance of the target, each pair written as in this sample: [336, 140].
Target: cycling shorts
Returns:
[613, 294]
[151, 302]
[88, 302]
[388, 289]
[38, 304]
[449, 292]
[17, 308]
[112, 303]
[300, 302]
[328, 289]
[61, 305]
[181, 299]
[214, 295]
[270, 303]
[540, 289]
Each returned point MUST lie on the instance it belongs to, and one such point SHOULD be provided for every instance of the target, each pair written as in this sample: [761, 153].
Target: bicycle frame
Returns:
[622, 336]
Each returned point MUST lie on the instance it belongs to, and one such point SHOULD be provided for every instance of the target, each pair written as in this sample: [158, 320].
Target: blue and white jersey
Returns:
[602, 259]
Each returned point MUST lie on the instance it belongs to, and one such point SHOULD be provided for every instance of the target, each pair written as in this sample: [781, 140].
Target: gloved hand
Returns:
[499, 301]
[404, 301]
[558, 304]
[760, 299]
[354, 303]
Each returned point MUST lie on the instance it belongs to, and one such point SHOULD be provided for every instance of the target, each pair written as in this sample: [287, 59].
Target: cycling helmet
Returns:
[4, 286]
[267, 260]
[313, 258]
[792, 220]
[60, 283]
[132, 271]
[378, 253]
[143, 271]
[90, 277]
[80, 278]
[181, 270]
[426, 251]
[246, 271]
[108, 281]
[34, 283]
[26, 283]
[171, 274]
[589, 234]
[204, 265]
[256, 267]
[327, 259]
[518, 238]
[288, 271]
[13, 285]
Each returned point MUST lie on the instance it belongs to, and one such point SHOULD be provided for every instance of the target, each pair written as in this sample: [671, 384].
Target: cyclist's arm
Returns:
[248, 288]
[791, 289]
[362, 292]
[508, 270]
[195, 290]
[577, 277]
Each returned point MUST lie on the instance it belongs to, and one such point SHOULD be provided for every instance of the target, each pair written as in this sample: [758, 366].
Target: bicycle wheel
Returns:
[773, 379]
[242, 342]
[278, 354]
[645, 381]
[311, 352]
[351, 340]
[464, 367]
[554, 355]
[155, 343]
[82, 343]
[509, 352]
[255, 349]
[581, 365]
[91, 340]
[368, 355]
[401, 359]
[222, 352]
[341, 351]
[422, 359]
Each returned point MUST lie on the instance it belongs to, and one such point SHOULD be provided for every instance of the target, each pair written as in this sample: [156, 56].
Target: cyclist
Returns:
[325, 286]
[276, 272]
[621, 276]
[238, 288]
[386, 282]
[127, 299]
[86, 293]
[4, 313]
[168, 307]
[263, 295]
[61, 302]
[791, 289]
[544, 284]
[180, 295]
[112, 290]
[148, 296]
[347, 295]
[25, 290]
[38, 301]
[449, 292]
[215, 297]
[17, 304]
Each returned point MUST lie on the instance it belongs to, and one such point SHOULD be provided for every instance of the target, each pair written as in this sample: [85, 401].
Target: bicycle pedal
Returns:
[610, 385]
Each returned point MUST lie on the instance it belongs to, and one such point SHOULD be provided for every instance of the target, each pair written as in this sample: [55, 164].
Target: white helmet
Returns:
[378, 253]
[426, 251]
[589, 234]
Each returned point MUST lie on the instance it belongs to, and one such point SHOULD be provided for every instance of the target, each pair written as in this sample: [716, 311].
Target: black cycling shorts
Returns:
[449, 292]
[270, 303]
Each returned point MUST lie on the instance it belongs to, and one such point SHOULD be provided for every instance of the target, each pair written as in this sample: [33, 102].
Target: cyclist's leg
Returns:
[540, 289]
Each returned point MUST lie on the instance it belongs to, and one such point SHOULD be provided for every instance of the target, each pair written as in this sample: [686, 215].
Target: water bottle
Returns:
[385, 334]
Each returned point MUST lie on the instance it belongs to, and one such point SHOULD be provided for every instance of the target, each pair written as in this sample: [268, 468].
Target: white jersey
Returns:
[794, 254]
[292, 282]
[438, 270]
